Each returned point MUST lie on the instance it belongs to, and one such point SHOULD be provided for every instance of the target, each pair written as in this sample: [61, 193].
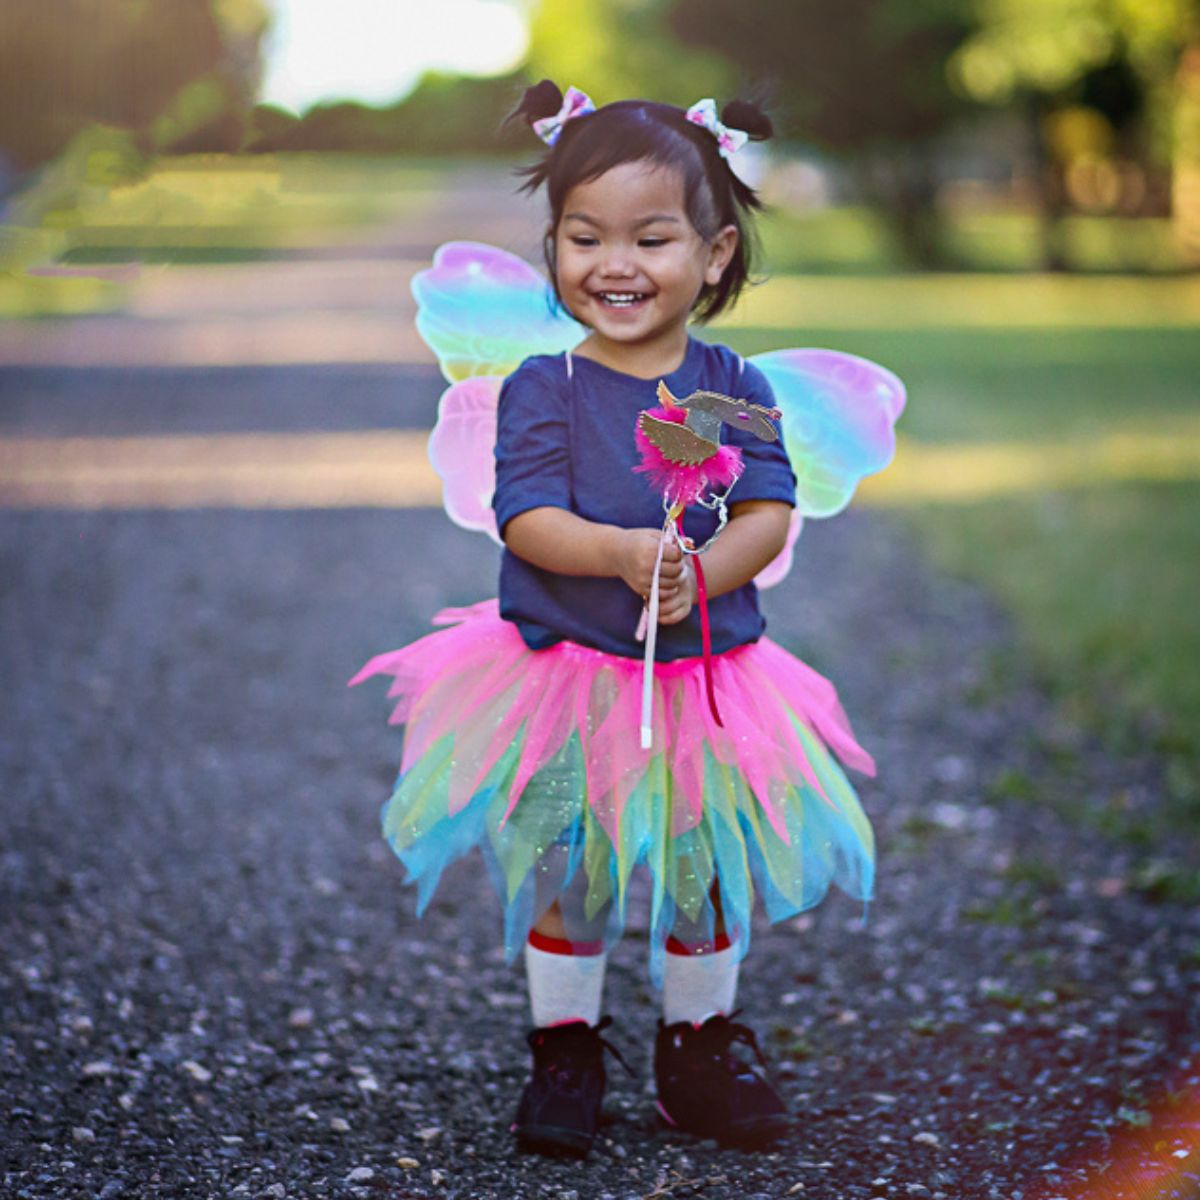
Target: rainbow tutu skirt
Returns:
[534, 756]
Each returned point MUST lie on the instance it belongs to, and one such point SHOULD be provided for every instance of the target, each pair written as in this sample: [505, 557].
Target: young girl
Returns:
[522, 722]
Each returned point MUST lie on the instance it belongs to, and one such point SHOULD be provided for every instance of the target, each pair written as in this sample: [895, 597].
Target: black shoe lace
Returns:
[604, 1023]
[724, 1031]
[578, 1044]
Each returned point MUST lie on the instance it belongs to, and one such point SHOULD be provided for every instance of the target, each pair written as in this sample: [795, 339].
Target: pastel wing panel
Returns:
[482, 311]
[461, 449]
[839, 418]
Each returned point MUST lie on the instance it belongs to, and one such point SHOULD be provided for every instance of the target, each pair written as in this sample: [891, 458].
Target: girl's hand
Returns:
[636, 551]
[674, 606]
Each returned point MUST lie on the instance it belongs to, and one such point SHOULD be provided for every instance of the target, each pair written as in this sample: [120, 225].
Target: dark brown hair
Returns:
[646, 131]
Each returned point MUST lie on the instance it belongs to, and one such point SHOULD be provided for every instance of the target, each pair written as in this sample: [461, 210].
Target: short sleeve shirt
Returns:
[567, 441]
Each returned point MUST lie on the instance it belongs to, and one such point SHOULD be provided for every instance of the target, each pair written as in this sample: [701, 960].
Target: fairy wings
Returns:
[482, 311]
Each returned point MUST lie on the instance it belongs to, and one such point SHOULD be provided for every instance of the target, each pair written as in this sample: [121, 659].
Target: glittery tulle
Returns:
[534, 757]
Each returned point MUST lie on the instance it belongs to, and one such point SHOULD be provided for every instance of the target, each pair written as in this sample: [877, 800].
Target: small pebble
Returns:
[196, 1071]
[409, 1164]
[81, 1133]
[926, 1139]
[360, 1175]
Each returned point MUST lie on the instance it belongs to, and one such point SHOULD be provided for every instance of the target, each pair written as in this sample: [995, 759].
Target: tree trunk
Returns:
[899, 183]
[1185, 169]
[1051, 187]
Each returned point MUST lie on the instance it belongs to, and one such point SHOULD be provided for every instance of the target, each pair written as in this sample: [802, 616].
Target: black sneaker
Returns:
[559, 1110]
[706, 1088]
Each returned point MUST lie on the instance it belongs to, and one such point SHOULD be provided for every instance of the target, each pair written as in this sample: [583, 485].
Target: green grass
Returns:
[1105, 580]
[836, 240]
[979, 385]
[858, 241]
[212, 209]
[199, 209]
[1104, 577]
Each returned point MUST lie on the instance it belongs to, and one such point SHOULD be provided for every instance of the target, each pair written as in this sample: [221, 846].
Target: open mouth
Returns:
[622, 299]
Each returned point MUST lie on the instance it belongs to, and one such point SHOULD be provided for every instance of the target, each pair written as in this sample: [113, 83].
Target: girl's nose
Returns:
[617, 263]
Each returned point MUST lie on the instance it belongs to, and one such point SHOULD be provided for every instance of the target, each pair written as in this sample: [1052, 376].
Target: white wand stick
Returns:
[650, 625]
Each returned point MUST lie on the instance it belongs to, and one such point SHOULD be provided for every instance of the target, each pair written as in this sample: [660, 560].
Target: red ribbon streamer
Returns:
[705, 633]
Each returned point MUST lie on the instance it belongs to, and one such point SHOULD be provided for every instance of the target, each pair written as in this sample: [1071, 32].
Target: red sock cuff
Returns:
[551, 945]
[711, 946]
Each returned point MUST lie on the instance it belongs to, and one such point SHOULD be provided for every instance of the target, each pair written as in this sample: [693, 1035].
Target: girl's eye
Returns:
[582, 239]
[652, 242]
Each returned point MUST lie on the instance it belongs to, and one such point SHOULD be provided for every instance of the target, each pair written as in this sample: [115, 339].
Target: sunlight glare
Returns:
[374, 51]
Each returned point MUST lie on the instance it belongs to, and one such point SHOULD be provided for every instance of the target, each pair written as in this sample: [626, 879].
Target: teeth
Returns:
[622, 297]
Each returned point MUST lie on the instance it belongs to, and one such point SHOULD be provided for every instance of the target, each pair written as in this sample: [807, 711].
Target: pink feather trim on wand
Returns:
[686, 482]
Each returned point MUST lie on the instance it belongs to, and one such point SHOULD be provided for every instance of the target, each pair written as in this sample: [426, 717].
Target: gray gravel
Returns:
[213, 984]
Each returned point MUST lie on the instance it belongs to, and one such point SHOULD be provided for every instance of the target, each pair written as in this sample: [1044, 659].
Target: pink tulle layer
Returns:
[549, 695]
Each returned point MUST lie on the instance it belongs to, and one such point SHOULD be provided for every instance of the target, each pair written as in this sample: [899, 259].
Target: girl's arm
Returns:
[557, 540]
[756, 533]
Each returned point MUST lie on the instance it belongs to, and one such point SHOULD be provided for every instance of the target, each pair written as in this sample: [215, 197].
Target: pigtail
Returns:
[741, 202]
[541, 100]
[748, 117]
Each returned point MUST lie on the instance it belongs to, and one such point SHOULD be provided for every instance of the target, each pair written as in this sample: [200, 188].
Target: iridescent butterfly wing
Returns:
[482, 311]
[839, 418]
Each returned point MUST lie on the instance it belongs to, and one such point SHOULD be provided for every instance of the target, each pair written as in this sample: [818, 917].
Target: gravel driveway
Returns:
[212, 983]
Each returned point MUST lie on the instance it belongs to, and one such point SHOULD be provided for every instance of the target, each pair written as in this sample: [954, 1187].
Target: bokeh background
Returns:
[1000, 199]
[211, 214]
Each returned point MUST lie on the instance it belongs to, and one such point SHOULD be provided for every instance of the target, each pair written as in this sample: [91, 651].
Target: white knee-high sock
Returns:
[566, 980]
[696, 985]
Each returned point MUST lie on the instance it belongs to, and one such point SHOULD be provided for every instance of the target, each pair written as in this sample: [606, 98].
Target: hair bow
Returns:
[729, 141]
[575, 104]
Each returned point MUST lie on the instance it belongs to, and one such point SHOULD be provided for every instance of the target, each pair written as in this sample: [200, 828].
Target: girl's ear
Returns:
[720, 252]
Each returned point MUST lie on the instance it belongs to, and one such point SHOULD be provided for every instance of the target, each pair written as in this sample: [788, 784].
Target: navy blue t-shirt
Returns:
[568, 442]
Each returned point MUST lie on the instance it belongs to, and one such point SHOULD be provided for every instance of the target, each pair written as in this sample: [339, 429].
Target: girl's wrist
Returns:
[611, 549]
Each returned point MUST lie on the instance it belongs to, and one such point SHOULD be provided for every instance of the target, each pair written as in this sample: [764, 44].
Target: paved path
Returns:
[213, 984]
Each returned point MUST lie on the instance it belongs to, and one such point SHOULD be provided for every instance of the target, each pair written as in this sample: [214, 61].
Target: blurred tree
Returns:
[615, 49]
[1121, 60]
[457, 113]
[180, 74]
[444, 114]
[1186, 182]
[864, 78]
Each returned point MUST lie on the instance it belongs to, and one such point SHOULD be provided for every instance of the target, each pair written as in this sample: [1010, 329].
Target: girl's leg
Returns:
[707, 1081]
[565, 960]
[701, 970]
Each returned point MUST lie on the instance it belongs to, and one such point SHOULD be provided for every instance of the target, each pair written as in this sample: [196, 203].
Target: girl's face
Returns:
[630, 263]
